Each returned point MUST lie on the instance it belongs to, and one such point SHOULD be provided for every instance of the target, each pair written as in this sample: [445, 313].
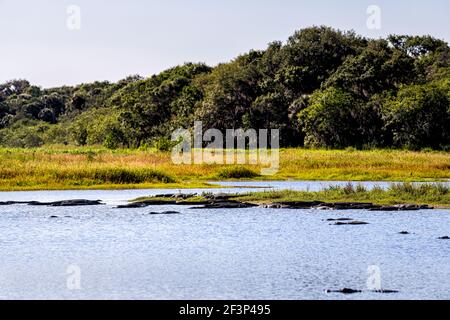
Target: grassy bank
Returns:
[97, 168]
[434, 194]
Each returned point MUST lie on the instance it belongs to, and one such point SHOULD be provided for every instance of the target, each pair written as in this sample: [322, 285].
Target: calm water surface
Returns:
[215, 254]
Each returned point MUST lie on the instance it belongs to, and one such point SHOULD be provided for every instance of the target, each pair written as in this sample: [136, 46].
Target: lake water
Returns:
[215, 254]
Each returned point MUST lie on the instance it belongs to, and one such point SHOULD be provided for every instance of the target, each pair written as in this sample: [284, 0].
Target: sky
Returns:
[59, 42]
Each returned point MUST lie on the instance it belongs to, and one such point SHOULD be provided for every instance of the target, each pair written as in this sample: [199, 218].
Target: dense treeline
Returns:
[322, 88]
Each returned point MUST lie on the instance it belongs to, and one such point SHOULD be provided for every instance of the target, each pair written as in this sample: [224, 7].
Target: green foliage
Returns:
[322, 87]
[336, 119]
[237, 173]
[313, 54]
[149, 106]
[376, 69]
[113, 138]
[400, 193]
[24, 134]
[419, 117]
[164, 144]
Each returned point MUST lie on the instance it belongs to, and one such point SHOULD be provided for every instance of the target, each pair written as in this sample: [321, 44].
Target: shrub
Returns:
[165, 145]
[338, 119]
[115, 175]
[419, 117]
[237, 173]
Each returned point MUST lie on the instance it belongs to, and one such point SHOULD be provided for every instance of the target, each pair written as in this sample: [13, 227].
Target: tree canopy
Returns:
[321, 88]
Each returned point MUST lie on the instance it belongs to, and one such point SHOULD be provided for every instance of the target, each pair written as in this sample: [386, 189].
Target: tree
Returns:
[321, 87]
[229, 93]
[419, 117]
[311, 55]
[377, 68]
[337, 119]
[148, 106]
[417, 46]
[78, 102]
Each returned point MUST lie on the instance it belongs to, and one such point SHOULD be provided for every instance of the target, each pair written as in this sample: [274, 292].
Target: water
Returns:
[215, 254]
[115, 197]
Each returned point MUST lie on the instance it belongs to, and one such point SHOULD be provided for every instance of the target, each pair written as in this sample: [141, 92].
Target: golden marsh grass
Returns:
[98, 168]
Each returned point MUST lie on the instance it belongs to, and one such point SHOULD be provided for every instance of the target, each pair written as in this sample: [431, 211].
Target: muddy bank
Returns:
[63, 203]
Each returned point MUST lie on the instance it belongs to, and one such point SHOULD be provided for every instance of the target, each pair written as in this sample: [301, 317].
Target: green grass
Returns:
[61, 167]
[436, 194]
[433, 194]
[191, 200]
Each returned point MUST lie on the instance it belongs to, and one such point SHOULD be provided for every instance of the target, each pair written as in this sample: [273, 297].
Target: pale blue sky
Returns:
[119, 38]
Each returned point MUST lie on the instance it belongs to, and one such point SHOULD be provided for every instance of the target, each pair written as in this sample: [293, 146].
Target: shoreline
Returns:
[199, 184]
[349, 197]
[192, 185]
